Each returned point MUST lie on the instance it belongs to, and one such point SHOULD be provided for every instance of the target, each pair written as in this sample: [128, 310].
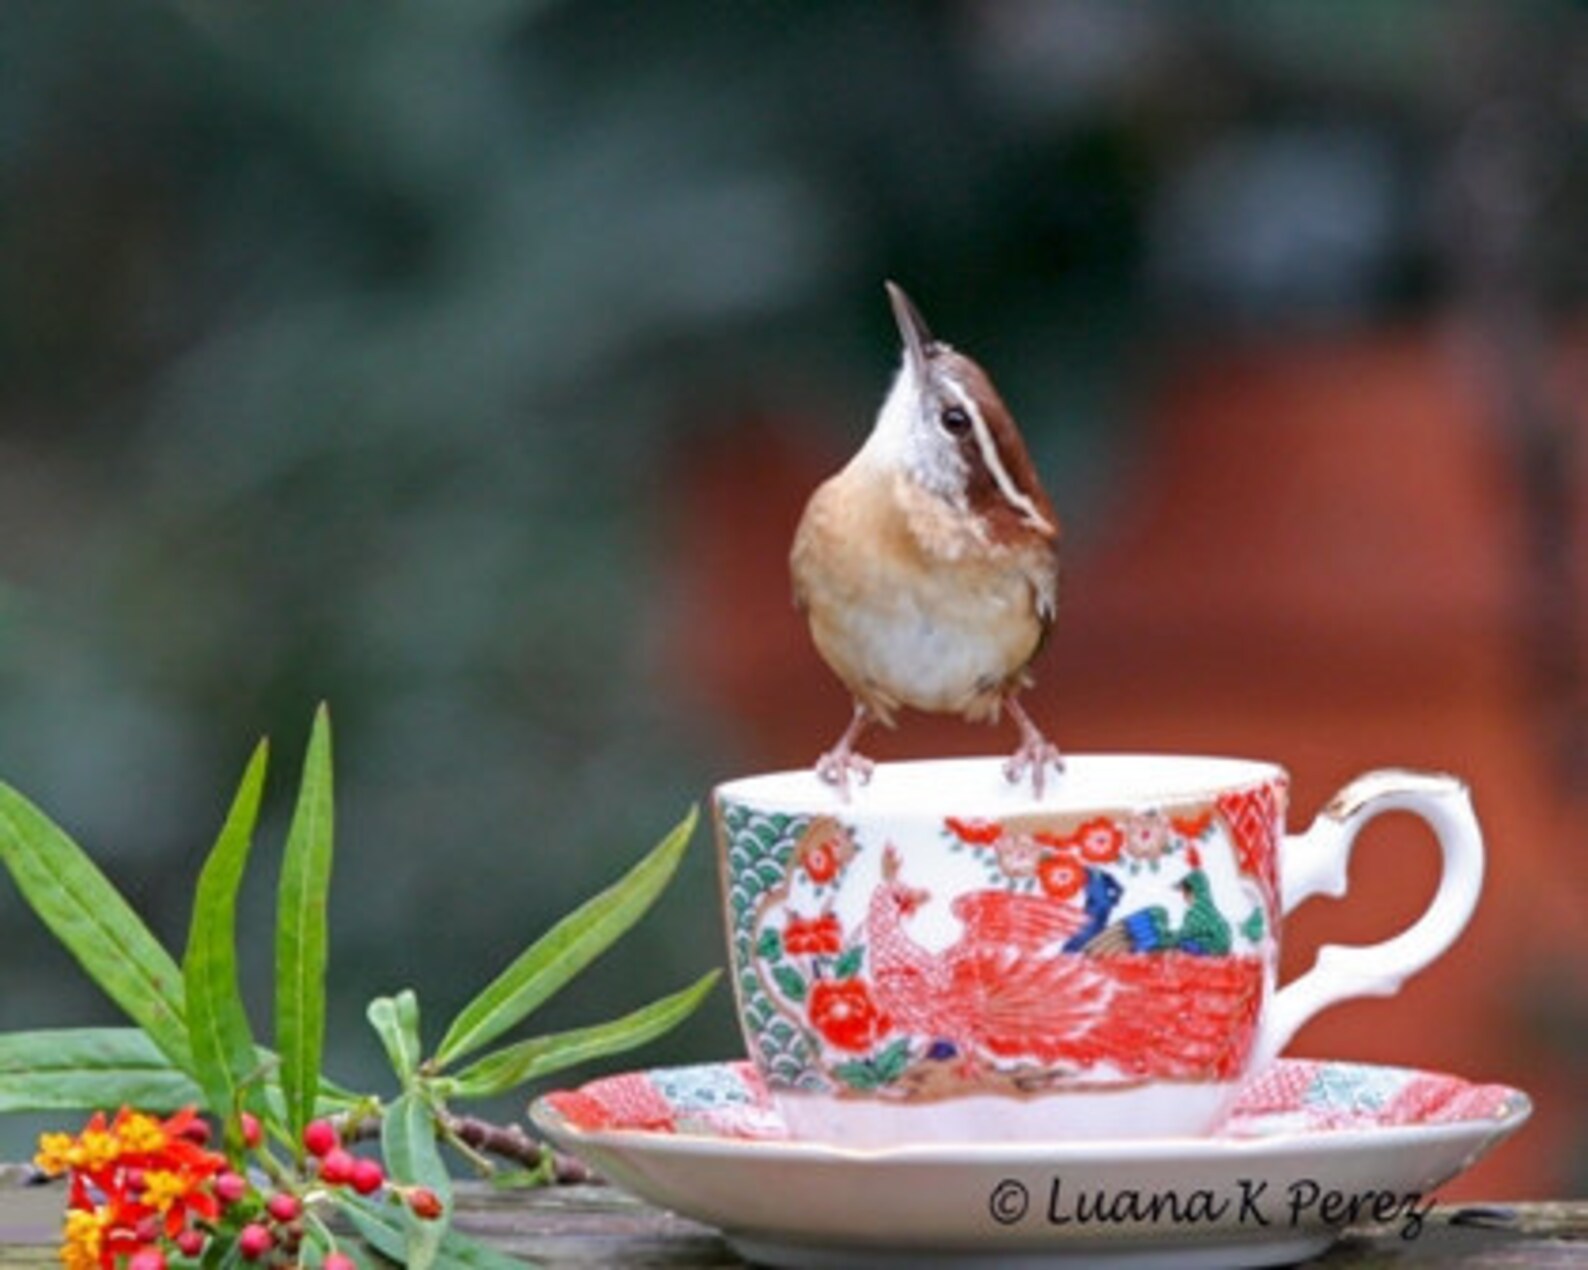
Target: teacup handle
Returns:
[1315, 863]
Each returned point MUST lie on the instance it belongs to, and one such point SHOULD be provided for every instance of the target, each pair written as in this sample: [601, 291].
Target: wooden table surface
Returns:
[590, 1226]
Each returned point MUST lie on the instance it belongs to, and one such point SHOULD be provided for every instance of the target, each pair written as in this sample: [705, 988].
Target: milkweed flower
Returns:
[132, 1179]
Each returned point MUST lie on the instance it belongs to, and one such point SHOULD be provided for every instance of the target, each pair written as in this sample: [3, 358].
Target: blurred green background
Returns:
[353, 351]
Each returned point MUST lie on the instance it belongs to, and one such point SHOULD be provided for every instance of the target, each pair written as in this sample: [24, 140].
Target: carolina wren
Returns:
[928, 567]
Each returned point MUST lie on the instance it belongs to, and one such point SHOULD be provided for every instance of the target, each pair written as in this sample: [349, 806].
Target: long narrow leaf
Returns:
[222, 1042]
[301, 934]
[96, 925]
[565, 950]
[529, 1060]
[413, 1158]
[384, 1228]
[80, 1069]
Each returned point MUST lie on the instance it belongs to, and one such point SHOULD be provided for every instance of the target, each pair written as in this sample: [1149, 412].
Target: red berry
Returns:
[190, 1243]
[425, 1203]
[368, 1176]
[197, 1131]
[336, 1169]
[320, 1138]
[338, 1261]
[254, 1241]
[147, 1230]
[253, 1132]
[230, 1187]
[146, 1259]
[283, 1207]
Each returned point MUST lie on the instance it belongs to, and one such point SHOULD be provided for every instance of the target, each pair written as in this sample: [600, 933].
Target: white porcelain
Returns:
[945, 957]
[1312, 1147]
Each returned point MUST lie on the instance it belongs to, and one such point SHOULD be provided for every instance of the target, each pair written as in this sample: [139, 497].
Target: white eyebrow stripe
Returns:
[1013, 495]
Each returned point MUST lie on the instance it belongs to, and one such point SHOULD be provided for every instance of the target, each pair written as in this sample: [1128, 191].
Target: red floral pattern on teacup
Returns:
[813, 936]
[1096, 949]
[846, 1015]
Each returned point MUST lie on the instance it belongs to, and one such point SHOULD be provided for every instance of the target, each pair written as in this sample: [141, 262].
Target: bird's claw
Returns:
[1034, 756]
[841, 764]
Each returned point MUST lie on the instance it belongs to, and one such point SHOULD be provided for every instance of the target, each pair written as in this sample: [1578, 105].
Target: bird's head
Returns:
[906, 900]
[945, 426]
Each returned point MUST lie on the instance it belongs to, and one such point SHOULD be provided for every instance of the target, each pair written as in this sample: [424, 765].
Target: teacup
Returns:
[946, 958]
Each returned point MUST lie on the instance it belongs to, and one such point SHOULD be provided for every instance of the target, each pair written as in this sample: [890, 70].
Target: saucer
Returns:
[1311, 1147]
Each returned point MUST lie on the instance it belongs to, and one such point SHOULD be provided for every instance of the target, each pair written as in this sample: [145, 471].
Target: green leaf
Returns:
[529, 1060]
[384, 1228]
[770, 946]
[396, 1022]
[81, 1069]
[789, 980]
[301, 936]
[413, 1158]
[96, 925]
[220, 1039]
[858, 1074]
[848, 966]
[565, 950]
[891, 1063]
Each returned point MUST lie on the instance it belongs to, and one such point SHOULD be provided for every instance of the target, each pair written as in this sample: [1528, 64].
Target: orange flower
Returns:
[979, 833]
[1100, 841]
[821, 862]
[1192, 826]
[1061, 875]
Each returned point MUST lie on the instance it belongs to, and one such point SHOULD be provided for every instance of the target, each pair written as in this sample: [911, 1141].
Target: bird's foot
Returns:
[843, 761]
[840, 765]
[1035, 753]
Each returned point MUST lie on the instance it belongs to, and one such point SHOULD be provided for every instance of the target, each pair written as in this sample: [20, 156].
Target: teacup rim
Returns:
[1090, 782]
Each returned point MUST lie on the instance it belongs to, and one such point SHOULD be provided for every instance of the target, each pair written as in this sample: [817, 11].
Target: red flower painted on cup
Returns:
[1192, 826]
[1061, 875]
[1099, 841]
[978, 833]
[845, 1014]
[812, 936]
[821, 863]
[824, 849]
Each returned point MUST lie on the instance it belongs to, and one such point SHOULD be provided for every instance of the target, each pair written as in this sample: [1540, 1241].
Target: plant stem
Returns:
[476, 1138]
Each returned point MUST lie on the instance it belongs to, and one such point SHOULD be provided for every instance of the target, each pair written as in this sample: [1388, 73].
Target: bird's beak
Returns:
[912, 328]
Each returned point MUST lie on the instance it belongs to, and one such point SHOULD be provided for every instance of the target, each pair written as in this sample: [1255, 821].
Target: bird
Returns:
[1003, 987]
[1011, 987]
[1203, 931]
[928, 566]
[1100, 897]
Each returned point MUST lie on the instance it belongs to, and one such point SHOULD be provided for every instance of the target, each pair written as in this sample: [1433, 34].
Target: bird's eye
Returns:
[955, 420]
